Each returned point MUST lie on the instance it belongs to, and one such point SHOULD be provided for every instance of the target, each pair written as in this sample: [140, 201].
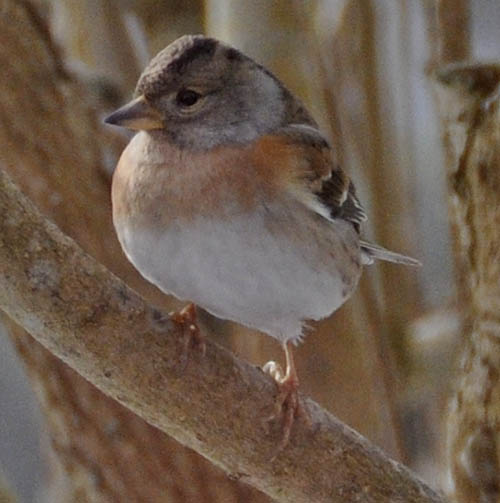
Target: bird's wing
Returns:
[321, 184]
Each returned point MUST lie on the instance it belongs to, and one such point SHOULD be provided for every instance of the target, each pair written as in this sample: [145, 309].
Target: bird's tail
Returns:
[372, 251]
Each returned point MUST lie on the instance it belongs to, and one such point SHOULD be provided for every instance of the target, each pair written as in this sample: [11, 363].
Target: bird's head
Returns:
[202, 93]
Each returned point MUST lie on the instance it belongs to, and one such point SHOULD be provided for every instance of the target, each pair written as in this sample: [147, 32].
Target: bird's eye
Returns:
[187, 97]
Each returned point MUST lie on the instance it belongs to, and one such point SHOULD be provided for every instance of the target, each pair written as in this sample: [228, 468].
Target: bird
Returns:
[230, 197]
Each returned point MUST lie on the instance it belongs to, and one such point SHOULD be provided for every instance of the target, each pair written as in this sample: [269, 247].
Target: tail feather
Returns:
[373, 251]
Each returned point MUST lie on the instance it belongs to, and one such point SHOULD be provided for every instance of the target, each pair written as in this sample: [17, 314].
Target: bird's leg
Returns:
[287, 403]
[187, 322]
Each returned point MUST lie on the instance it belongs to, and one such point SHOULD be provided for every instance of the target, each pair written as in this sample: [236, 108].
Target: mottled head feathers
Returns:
[208, 94]
[175, 58]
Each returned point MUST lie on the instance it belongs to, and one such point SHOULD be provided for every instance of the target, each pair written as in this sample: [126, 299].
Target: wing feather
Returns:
[331, 192]
[326, 189]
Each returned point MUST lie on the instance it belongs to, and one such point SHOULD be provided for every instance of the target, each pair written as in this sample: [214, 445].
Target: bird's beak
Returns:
[137, 114]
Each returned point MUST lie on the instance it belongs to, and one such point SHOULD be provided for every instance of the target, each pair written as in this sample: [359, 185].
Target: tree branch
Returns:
[470, 108]
[85, 315]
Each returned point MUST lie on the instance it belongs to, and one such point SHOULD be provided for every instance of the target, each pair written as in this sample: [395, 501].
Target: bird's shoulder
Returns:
[300, 158]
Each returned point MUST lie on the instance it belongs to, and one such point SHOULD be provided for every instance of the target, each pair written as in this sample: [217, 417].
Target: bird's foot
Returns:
[187, 322]
[287, 405]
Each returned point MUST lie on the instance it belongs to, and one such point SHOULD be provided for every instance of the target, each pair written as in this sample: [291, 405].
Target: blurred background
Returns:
[383, 363]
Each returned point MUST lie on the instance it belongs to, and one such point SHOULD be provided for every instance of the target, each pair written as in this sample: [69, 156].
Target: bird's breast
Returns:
[264, 269]
[157, 183]
[215, 230]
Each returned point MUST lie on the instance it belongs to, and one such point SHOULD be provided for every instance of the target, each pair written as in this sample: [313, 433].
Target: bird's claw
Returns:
[287, 405]
[187, 322]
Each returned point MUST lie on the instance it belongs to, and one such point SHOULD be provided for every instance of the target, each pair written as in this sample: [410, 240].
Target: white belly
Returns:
[250, 271]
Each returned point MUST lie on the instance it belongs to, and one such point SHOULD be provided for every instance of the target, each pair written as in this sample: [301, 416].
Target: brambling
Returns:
[230, 196]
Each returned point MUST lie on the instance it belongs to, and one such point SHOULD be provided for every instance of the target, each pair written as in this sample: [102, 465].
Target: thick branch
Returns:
[469, 101]
[101, 328]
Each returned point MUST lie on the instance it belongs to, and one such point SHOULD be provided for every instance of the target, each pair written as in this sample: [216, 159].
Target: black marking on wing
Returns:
[333, 189]
[338, 195]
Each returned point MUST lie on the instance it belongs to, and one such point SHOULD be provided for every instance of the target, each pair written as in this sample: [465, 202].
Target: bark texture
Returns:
[468, 100]
[471, 111]
[91, 320]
